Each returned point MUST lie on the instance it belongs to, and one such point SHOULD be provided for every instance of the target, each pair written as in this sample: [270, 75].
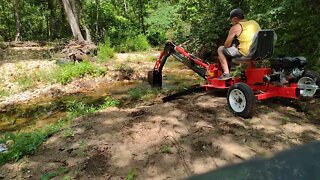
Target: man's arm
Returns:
[234, 31]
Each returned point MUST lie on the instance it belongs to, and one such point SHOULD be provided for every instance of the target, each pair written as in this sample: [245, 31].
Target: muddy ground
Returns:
[189, 135]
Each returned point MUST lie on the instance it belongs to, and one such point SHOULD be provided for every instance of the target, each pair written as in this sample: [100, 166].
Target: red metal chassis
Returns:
[253, 77]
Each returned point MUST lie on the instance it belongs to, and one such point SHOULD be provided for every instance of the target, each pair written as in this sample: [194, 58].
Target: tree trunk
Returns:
[125, 7]
[88, 36]
[97, 19]
[75, 10]
[142, 14]
[6, 35]
[72, 20]
[17, 19]
[53, 21]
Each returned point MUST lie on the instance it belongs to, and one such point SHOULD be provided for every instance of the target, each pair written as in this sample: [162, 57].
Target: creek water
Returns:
[45, 110]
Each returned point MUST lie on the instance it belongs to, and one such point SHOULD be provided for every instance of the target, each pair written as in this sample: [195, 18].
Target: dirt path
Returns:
[193, 134]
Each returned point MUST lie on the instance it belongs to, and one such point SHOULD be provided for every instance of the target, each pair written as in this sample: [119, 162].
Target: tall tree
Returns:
[72, 18]
[97, 17]
[53, 21]
[17, 19]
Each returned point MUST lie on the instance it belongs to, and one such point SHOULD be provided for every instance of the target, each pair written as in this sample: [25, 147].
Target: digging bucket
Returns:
[155, 78]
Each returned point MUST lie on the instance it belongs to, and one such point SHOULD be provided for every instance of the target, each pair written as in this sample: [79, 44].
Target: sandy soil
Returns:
[189, 135]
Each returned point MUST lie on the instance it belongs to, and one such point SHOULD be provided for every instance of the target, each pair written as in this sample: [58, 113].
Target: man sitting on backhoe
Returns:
[244, 31]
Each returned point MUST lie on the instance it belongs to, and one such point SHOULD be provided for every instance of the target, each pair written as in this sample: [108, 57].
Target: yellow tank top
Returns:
[249, 28]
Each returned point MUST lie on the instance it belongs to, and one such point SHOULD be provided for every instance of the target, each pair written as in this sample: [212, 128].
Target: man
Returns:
[243, 31]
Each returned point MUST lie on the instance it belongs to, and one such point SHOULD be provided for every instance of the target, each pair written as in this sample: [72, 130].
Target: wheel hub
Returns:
[237, 100]
[307, 86]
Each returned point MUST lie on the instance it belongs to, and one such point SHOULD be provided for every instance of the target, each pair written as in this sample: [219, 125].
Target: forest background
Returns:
[132, 25]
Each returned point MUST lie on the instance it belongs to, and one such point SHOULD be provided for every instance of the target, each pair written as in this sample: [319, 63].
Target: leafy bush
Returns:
[166, 23]
[105, 52]
[64, 74]
[136, 43]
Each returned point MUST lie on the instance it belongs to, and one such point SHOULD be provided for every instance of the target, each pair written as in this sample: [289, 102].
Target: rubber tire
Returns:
[250, 100]
[313, 75]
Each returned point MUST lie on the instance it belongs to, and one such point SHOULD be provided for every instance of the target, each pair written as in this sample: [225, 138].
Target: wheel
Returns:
[308, 83]
[313, 75]
[241, 100]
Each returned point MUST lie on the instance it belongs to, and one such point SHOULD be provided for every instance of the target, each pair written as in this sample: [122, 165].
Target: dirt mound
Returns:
[78, 51]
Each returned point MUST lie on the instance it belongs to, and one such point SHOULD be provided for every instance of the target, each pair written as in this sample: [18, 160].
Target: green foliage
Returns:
[166, 23]
[26, 82]
[165, 150]
[65, 73]
[208, 22]
[68, 132]
[3, 92]
[53, 174]
[143, 93]
[134, 43]
[21, 144]
[26, 143]
[77, 108]
[109, 102]
[131, 175]
[105, 52]
[287, 18]
[136, 94]
[202, 24]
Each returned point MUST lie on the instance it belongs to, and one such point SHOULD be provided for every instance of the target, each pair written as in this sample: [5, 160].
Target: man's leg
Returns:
[223, 54]
[223, 60]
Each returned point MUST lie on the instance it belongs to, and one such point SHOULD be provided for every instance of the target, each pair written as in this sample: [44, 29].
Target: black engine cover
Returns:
[288, 63]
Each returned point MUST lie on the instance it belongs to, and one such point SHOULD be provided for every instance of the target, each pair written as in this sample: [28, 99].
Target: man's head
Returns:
[236, 15]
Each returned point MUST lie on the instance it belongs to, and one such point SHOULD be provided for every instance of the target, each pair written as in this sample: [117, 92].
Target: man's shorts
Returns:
[231, 52]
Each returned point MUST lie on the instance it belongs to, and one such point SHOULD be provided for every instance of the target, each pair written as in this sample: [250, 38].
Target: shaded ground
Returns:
[193, 134]
[189, 135]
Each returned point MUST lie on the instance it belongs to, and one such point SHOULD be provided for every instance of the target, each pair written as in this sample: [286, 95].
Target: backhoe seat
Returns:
[261, 47]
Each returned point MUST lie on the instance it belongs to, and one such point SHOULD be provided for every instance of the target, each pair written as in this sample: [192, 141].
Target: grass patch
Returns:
[49, 175]
[144, 58]
[145, 93]
[26, 143]
[148, 94]
[64, 74]
[109, 102]
[131, 175]
[26, 82]
[165, 150]
[68, 132]
[82, 148]
[4, 92]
